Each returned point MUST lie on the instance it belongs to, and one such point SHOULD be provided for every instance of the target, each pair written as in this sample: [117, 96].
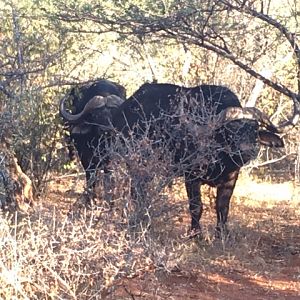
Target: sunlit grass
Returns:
[50, 256]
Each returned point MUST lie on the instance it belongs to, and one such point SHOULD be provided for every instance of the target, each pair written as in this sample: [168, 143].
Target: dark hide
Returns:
[231, 146]
[85, 135]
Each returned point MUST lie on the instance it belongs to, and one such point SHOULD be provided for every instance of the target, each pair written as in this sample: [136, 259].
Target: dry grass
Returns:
[138, 248]
[98, 256]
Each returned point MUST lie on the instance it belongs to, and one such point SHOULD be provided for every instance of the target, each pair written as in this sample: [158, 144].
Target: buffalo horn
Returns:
[94, 103]
[113, 101]
[234, 113]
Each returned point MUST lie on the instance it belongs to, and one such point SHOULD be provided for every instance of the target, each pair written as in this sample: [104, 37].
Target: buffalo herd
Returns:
[204, 132]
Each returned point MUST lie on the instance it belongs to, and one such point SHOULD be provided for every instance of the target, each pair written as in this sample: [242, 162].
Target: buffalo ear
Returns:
[270, 139]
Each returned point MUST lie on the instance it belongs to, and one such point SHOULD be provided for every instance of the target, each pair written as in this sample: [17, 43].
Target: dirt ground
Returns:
[259, 260]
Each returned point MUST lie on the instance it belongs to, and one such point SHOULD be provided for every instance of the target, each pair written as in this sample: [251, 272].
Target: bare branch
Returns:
[290, 37]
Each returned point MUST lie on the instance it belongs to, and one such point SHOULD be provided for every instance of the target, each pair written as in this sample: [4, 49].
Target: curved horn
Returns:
[114, 101]
[233, 113]
[95, 102]
[262, 118]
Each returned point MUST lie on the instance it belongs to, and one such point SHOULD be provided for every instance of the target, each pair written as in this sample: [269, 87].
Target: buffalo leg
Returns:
[224, 193]
[90, 165]
[90, 175]
[86, 155]
[195, 203]
[109, 186]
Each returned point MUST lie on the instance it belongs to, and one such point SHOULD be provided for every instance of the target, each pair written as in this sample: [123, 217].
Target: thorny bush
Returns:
[157, 151]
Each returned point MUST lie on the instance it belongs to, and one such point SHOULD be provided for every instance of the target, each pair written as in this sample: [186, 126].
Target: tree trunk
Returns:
[15, 186]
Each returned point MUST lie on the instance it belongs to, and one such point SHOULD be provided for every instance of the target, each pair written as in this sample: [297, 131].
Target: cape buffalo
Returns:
[178, 119]
[106, 96]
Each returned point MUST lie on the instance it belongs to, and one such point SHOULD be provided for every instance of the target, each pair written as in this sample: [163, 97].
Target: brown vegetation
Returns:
[98, 256]
[119, 248]
[18, 193]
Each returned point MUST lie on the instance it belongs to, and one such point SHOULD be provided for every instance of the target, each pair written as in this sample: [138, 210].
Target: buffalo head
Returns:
[92, 106]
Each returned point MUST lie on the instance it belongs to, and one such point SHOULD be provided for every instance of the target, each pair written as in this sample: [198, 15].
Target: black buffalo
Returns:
[106, 96]
[178, 119]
